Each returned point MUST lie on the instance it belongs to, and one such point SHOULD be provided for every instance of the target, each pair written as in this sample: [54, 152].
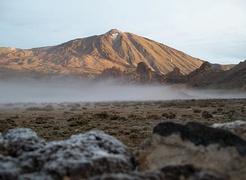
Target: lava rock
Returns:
[9, 168]
[168, 173]
[204, 147]
[238, 127]
[200, 134]
[20, 140]
[80, 156]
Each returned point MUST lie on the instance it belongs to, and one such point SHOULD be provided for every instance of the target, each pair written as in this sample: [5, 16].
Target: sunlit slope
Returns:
[95, 53]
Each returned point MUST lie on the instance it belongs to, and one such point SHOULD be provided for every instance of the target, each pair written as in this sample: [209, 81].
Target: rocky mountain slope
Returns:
[206, 76]
[96, 53]
[210, 77]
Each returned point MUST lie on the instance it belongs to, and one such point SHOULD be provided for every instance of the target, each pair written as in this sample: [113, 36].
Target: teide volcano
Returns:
[96, 53]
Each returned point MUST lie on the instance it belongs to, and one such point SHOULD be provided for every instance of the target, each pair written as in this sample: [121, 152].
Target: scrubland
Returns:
[129, 121]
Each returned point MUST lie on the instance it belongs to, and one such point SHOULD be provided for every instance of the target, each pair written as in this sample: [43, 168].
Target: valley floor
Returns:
[131, 122]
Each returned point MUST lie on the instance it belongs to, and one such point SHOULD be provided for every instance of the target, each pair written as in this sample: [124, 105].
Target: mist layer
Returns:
[77, 91]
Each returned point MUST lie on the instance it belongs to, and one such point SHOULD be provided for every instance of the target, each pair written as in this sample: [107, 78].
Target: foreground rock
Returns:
[173, 172]
[193, 151]
[19, 141]
[204, 147]
[237, 127]
[80, 156]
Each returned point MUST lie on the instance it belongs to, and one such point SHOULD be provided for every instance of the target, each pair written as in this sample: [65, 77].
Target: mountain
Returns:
[209, 76]
[206, 76]
[235, 78]
[96, 53]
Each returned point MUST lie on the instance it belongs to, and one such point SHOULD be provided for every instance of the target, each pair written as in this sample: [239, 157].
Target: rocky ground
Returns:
[124, 140]
[130, 122]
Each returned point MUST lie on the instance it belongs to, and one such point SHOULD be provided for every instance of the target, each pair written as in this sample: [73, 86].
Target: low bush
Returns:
[196, 110]
[206, 115]
[169, 115]
[153, 116]
[102, 115]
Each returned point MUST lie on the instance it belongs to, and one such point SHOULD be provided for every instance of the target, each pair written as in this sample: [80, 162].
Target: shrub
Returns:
[135, 117]
[196, 110]
[115, 117]
[102, 115]
[47, 126]
[73, 109]
[133, 136]
[112, 133]
[7, 124]
[206, 115]
[41, 120]
[33, 109]
[87, 104]
[169, 115]
[78, 120]
[48, 108]
[153, 116]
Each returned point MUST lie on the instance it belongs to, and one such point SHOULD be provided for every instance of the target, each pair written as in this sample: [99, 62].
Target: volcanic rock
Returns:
[80, 156]
[113, 72]
[168, 173]
[18, 141]
[238, 127]
[202, 146]
[174, 76]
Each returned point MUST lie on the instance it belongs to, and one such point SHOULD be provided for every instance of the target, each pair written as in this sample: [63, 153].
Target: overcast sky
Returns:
[212, 30]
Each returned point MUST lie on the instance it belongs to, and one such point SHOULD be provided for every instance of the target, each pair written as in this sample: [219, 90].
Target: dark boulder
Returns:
[204, 147]
[201, 134]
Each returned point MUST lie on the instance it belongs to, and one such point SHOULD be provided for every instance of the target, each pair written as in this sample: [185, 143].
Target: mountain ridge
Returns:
[95, 53]
[206, 76]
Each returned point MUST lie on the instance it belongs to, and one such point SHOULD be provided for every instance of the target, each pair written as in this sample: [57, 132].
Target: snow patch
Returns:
[114, 36]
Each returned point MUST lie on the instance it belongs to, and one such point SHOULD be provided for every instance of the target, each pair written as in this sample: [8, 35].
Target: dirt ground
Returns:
[130, 122]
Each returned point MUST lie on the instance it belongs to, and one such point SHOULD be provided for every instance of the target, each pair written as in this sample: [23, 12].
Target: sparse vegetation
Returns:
[130, 122]
[153, 116]
[196, 110]
[169, 115]
[102, 115]
[206, 115]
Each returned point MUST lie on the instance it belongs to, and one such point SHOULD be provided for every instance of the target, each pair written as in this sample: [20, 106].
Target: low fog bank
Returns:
[77, 91]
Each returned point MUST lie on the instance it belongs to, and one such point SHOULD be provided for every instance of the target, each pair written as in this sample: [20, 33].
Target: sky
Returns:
[213, 31]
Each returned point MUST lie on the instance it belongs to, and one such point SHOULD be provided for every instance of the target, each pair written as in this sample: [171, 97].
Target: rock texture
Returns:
[141, 75]
[183, 152]
[205, 147]
[238, 127]
[80, 156]
[176, 172]
[19, 141]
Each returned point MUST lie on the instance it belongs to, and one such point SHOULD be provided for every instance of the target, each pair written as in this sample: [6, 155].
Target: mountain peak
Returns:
[96, 53]
[113, 31]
